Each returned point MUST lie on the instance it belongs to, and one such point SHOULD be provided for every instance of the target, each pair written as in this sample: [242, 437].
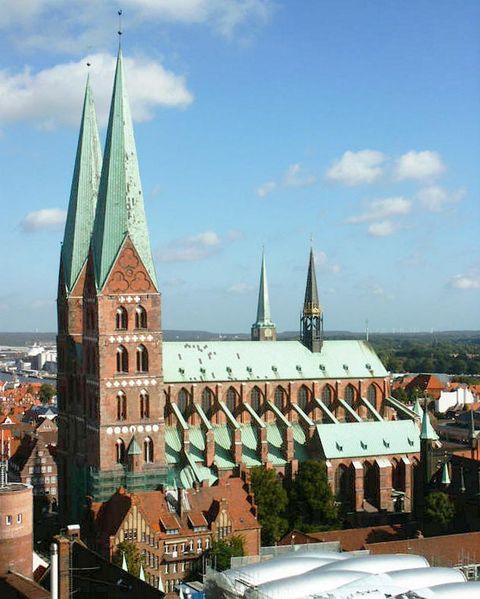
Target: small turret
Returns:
[311, 320]
[263, 329]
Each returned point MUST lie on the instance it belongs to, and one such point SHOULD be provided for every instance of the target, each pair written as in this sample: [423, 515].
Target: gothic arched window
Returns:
[279, 397]
[122, 359]
[255, 399]
[303, 397]
[350, 395]
[140, 318]
[120, 451]
[121, 319]
[142, 359]
[207, 398]
[327, 395]
[148, 451]
[231, 399]
[372, 394]
[121, 406]
[182, 401]
[144, 404]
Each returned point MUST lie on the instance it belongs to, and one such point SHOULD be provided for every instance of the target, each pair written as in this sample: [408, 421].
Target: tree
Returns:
[46, 392]
[271, 499]
[132, 555]
[400, 394]
[312, 504]
[439, 513]
[224, 549]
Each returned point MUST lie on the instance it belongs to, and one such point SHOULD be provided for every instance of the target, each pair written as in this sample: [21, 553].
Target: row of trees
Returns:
[307, 504]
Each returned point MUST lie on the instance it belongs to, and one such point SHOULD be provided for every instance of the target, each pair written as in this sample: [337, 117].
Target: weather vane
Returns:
[120, 12]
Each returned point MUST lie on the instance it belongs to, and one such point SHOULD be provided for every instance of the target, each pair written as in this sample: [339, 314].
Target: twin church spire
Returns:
[106, 203]
[106, 209]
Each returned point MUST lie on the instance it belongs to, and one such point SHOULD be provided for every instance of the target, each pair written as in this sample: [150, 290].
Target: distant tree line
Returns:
[451, 356]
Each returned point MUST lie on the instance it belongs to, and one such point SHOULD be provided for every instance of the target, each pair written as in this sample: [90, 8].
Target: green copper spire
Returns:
[120, 212]
[311, 304]
[263, 329]
[445, 475]
[417, 408]
[133, 448]
[428, 432]
[263, 309]
[311, 320]
[83, 195]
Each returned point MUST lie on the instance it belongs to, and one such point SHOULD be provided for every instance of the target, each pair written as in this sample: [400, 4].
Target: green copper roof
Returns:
[83, 195]
[445, 475]
[417, 408]
[428, 432]
[216, 361]
[263, 309]
[120, 211]
[134, 448]
[363, 439]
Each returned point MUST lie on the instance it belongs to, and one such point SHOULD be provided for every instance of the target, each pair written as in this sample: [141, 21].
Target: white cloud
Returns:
[265, 189]
[382, 229]
[355, 168]
[466, 282]
[53, 96]
[381, 209]
[57, 25]
[295, 176]
[196, 247]
[46, 219]
[323, 263]
[240, 288]
[436, 198]
[419, 165]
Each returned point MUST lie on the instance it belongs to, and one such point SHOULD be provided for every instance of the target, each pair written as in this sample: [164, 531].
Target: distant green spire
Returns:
[417, 408]
[120, 212]
[311, 303]
[83, 195]
[428, 432]
[263, 309]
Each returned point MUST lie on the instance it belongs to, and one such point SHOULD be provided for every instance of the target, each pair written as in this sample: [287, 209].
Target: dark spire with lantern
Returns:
[311, 319]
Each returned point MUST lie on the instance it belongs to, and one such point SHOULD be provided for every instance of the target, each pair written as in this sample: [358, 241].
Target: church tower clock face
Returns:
[268, 332]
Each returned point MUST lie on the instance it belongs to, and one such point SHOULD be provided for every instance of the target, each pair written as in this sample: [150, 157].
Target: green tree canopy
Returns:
[271, 499]
[439, 513]
[132, 555]
[46, 392]
[224, 549]
[312, 504]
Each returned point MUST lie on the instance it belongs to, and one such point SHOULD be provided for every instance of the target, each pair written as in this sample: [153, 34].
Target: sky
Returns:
[351, 125]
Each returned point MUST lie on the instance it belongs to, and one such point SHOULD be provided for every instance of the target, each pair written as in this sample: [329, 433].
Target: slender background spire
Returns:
[263, 309]
[120, 210]
[311, 304]
[83, 194]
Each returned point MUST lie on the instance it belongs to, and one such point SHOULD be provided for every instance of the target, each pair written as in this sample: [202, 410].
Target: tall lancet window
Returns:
[142, 359]
[327, 395]
[121, 319]
[303, 397]
[121, 406]
[122, 359]
[279, 397]
[256, 399]
[140, 318]
[207, 400]
[231, 399]
[372, 394]
[350, 395]
[120, 451]
[144, 404]
[182, 402]
[148, 451]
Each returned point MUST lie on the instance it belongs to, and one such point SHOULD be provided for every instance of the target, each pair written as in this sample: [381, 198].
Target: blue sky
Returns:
[258, 122]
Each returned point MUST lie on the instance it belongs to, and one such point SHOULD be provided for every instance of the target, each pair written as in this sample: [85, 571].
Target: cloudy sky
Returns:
[258, 122]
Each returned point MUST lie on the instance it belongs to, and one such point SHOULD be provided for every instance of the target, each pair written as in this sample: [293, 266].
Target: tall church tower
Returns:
[73, 263]
[121, 442]
[263, 329]
[311, 319]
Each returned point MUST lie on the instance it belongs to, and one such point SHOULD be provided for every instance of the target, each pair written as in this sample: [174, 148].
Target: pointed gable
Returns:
[83, 196]
[120, 211]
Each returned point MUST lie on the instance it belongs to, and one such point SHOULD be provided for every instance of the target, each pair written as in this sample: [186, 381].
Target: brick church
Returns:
[136, 412]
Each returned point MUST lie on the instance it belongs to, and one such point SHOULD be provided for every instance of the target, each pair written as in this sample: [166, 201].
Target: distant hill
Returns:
[27, 339]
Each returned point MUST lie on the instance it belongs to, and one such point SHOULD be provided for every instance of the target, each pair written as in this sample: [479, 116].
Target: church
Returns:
[139, 413]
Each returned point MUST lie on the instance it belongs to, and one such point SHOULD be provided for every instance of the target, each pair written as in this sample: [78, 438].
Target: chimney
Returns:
[180, 502]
